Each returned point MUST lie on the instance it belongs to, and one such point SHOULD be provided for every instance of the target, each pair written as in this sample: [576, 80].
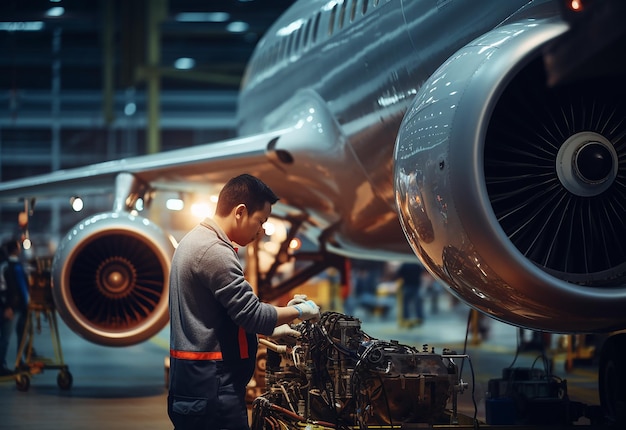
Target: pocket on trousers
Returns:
[189, 405]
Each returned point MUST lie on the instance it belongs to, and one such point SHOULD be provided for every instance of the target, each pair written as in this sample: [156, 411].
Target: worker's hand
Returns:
[298, 298]
[308, 310]
[283, 331]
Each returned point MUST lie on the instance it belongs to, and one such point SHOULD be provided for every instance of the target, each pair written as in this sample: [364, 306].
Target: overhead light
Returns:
[203, 17]
[269, 228]
[175, 204]
[237, 27]
[139, 204]
[77, 203]
[295, 244]
[576, 5]
[202, 210]
[22, 26]
[130, 109]
[184, 63]
[55, 11]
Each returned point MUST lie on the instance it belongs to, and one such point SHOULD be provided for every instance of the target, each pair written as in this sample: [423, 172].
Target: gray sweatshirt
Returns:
[213, 308]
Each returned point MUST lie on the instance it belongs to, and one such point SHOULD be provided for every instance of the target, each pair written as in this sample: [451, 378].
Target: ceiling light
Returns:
[55, 11]
[202, 210]
[203, 17]
[21, 26]
[130, 109]
[139, 204]
[77, 203]
[184, 63]
[174, 204]
[237, 27]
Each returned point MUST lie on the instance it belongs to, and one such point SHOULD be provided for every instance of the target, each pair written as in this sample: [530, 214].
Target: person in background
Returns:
[432, 288]
[215, 315]
[17, 295]
[364, 276]
[6, 315]
[412, 298]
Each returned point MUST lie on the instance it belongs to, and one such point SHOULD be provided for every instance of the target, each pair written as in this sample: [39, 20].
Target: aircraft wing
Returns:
[180, 170]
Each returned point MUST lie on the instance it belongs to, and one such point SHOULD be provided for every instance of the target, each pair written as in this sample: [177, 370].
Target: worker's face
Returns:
[250, 225]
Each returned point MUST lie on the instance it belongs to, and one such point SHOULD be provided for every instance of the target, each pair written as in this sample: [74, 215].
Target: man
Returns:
[6, 316]
[215, 315]
[15, 298]
[411, 275]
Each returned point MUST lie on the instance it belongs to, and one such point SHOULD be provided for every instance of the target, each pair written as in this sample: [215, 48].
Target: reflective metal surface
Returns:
[110, 279]
[508, 190]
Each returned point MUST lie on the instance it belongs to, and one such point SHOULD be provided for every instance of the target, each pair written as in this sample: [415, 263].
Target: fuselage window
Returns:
[282, 53]
[342, 14]
[331, 22]
[353, 10]
[316, 26]
[306, 34]
[290, 45]
[297, 45]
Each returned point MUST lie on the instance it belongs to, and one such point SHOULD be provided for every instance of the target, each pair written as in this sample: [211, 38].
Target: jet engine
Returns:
[514, 192]
[110, 279]
[337, 376]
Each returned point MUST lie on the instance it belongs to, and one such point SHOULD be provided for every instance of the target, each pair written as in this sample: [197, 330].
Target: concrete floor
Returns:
[123, 388]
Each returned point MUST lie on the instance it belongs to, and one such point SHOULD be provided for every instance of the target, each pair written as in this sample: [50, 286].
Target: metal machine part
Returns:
[110, 279]
[507, 187]
[337, 376]
[530, 396]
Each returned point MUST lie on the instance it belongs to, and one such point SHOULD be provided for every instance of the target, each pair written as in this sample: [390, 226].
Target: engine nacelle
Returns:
[110, 279]
[512, 192]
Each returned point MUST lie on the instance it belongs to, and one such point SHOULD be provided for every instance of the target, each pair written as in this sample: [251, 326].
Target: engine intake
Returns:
[512, 192]
[110, 279]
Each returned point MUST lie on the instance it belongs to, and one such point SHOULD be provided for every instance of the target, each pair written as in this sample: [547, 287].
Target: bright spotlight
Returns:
[295, 244]
[202, 210]
[55, 11]
[139, 204]
[174, 204]
[77, 204]
[269, 228]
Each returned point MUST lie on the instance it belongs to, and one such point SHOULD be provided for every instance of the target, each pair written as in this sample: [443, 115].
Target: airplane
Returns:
[391, 129]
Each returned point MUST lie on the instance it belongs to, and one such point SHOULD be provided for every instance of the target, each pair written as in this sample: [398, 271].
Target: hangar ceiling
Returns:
[77, 78]
[75, 75]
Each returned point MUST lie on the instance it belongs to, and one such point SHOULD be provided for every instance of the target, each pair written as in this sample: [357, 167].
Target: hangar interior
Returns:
[84, 82]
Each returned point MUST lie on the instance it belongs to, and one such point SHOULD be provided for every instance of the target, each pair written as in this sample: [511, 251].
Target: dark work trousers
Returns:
[209, 395]
[6, 328]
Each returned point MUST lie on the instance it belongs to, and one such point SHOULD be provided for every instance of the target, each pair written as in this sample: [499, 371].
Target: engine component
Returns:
[507, 187]
[110, 279]
[337, 376]
[528, 396]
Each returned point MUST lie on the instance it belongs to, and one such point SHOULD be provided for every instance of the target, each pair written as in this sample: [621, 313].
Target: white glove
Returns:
[298, 298]
[308, 310]
[284, 330]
